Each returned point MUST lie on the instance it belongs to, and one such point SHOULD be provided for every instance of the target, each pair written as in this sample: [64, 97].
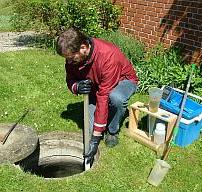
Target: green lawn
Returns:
[36, 79]
[5, 16]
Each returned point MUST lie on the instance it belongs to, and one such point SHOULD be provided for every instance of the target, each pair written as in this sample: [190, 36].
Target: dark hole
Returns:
[57, 169]
[54, 167]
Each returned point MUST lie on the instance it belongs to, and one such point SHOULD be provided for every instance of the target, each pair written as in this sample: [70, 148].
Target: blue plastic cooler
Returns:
[189, 131]
[191, 121]
[173, 102]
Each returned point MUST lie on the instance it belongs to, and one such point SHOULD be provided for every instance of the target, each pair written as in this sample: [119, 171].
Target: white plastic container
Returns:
[159, 133]
[158, 172]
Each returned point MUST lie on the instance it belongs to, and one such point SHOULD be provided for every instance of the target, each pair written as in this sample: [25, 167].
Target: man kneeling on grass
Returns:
[98, 68]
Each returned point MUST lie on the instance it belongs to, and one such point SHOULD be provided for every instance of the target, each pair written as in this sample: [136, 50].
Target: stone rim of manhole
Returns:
[56, 149]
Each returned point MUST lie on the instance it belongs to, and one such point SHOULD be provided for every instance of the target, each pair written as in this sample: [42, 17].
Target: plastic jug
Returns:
[160, 133]
[158, 172]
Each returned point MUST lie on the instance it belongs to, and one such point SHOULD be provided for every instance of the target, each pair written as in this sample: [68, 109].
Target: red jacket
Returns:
[106, 67]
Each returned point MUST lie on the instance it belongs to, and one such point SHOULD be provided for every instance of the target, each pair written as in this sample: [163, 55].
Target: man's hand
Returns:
[84, 86]
[94, 143]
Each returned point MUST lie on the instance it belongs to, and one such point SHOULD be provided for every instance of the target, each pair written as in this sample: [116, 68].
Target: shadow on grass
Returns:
[74, 112]
[35, 40]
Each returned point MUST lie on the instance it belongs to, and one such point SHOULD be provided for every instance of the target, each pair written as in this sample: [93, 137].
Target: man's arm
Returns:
[111, 71]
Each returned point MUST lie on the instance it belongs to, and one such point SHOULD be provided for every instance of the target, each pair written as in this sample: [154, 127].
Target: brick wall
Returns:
[173, 22]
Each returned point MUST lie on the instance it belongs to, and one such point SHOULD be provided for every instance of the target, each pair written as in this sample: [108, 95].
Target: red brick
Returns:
[152, 23]
[192, 9]
[191, 37]
[160, 1]
[147, 31]
[167, 41]
[200, 11]
[198, 44]
[195, 21]
[158, 10]
[158, 5]
[156, 19]
[136, 28]
[145, 40]
[197, 16]
[147, 17]
[139, 24]
[198, 33]
[139, 16]
[150, 4]
[152, 14]
[139, 11]
[184, 2]
[142, 2]
[172, 37]
[149, 27]
[167, 6]
[183, 23]
[154, 37]
[143, 35]
[131, 14]
[141, 7]
[187, 41]
[127, 30]
[150, 8]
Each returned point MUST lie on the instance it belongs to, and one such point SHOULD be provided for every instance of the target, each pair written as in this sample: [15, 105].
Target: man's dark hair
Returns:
[71, 39]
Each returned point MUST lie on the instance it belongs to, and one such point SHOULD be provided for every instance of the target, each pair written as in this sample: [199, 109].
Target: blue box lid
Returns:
[171, 101]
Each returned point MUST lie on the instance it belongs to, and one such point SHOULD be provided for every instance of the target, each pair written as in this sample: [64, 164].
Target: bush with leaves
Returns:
[92, 17]
[166, 67]
[132, 48]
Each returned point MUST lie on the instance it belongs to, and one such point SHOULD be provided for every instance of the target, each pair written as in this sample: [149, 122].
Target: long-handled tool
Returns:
[86, 130]
[175, 131]
[161, 167]
[4, 137]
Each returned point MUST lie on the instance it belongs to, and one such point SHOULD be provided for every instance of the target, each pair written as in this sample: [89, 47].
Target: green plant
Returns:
[166, 67]
[92, 17]
[132, 48]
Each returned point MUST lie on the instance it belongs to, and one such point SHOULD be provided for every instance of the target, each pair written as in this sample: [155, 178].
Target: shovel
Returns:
[161, 167]
[86, 130]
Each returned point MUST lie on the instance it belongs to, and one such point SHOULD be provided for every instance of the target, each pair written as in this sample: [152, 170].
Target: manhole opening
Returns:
[55, 158]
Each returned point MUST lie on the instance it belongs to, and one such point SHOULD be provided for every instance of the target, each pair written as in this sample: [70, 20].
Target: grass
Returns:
[5, 16]
[36, 79]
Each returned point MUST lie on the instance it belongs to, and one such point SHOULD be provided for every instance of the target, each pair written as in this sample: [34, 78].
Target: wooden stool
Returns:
[143, 137]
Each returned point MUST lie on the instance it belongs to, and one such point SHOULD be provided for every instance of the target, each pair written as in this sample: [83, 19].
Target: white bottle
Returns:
[159, 133]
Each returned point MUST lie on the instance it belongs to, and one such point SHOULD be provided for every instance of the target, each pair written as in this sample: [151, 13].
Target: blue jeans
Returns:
[118, 102]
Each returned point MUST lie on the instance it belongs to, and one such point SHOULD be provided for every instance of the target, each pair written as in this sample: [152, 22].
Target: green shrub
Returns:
[133, 49]
[166, 67]
[92, 17]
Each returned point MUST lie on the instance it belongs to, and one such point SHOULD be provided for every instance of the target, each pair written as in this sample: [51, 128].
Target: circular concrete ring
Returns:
[59, 155]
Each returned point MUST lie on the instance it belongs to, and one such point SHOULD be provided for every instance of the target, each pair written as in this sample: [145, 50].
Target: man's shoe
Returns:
[111, 140]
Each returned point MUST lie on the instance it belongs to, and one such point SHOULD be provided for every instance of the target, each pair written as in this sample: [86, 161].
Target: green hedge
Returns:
[91, 16]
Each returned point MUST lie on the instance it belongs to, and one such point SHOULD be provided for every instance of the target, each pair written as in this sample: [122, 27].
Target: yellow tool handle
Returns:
[86, 123]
